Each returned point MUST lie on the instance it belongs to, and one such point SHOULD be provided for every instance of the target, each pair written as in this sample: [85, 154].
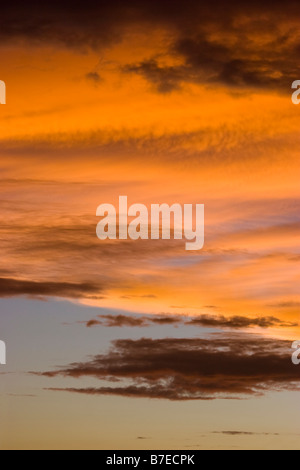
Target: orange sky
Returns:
[150, 113]
[91, 142]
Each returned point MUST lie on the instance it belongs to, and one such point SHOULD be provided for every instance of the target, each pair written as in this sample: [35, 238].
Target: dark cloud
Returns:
[94, 78]
[206, 321]
[119, 321]
[164, 79]
[238, 50]
[16, 287]
[245, 433]
[89, 25]
[189, 369]
[122, 321]
[92, 323]
[249, 44]
[239, 59]
[235, 61]
[237, 322]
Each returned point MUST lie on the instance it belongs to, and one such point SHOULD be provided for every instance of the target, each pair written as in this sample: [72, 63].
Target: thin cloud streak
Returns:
[17, 287]
[206, 321]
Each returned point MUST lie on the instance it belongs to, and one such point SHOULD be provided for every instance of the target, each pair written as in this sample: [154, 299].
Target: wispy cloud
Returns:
[206, 321]
[245, 433]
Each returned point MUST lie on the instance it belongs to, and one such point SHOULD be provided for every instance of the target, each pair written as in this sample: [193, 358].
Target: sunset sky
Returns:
[142, 344]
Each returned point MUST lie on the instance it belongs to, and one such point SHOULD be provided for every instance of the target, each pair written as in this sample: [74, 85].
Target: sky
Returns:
[123, 344]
